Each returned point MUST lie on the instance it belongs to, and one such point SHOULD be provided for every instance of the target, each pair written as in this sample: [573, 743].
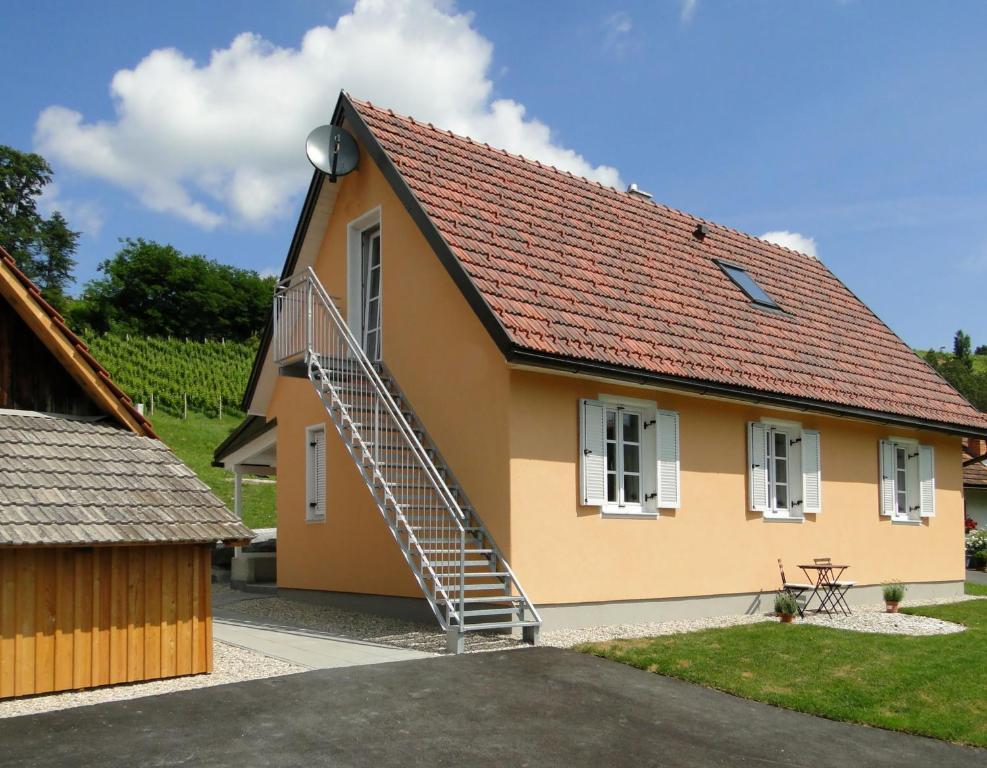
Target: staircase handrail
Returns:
[380, 390]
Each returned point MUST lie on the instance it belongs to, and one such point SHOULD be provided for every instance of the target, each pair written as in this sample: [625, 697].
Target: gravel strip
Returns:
[867, 618]
[397, 633]
[231, 664]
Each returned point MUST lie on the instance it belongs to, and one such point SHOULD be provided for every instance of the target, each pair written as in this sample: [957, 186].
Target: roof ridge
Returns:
[623, 196]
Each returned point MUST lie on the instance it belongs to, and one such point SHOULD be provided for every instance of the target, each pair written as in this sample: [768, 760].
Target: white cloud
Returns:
[82, 215]
[616, 28]
[792, 240]
[688, 10]
[222, 141]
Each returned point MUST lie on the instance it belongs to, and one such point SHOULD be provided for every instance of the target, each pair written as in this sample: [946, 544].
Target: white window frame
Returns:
[355, 231]
[912, 512]
[646, 411]
[619, 506]
[315, 492]
[795, 510]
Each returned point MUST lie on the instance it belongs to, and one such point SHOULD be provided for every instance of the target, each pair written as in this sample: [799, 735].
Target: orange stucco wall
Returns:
[453, 375]
[711, 545]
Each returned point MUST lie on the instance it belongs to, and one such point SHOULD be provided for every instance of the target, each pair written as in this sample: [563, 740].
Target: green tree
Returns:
[42, 248]
[153, 289]
[962, 349]
[53, 262]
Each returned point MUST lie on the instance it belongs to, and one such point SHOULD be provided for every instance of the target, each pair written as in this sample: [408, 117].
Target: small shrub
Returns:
[979, 559]
[894, 592]
[785, 604]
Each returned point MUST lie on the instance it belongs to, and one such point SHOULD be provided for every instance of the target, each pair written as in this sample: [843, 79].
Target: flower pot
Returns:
[891, 606]
[786, 618]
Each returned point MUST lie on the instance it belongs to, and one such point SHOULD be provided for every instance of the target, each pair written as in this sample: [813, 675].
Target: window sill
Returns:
[905, 522]
[769, 519]
[629, 515]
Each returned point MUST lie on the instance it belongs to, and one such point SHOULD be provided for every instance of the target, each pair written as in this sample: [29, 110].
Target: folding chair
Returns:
[795, 589]
[836, 587]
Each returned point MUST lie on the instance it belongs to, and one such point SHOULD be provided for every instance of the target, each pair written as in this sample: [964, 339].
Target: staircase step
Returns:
[455, 551]
[488, 599]
[475, 587]
[485, 612]
[481, 575]
[499, 625]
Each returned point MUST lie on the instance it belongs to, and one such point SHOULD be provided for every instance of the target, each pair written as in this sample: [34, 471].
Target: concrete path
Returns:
[316, 650]
[977, 577]
[539, 707]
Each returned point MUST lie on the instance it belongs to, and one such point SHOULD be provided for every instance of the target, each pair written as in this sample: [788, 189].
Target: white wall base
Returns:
[580, 615]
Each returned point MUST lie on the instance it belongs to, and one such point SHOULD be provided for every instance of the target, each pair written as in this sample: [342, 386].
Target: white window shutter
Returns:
[927, 480]
[811, 472]
[316, 475]
[320, 475]
[887, 478]
[667, 436]
[593, 452]
[758, 465]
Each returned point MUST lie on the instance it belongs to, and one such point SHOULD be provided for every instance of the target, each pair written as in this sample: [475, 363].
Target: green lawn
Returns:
[935, 686]
[194, 441]
[976, 589]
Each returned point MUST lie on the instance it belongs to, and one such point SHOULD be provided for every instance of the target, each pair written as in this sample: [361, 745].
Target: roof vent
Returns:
[633, 189]
[700, 231]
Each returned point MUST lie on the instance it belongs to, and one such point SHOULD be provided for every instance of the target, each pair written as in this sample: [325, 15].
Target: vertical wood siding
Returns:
[83, 617]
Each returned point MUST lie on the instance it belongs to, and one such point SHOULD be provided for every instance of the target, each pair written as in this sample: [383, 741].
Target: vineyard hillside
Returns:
[210, 374]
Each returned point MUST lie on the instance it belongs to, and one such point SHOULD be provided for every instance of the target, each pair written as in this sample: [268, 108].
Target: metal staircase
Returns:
[458, 566]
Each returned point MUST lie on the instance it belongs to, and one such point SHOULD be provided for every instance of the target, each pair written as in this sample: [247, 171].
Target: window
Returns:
[370, 292]
[785, 481]
[747, 284]
[623, 458]
[629, 456]
[908, 482]
[315, 474]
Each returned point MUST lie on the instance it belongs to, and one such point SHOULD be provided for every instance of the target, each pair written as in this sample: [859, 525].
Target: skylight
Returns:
[747, 284]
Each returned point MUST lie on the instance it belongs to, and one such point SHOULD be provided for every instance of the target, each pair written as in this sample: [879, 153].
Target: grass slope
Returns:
[932, 686]
[194, 441]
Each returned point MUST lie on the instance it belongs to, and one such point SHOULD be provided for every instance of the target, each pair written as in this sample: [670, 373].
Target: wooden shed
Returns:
[105, 536]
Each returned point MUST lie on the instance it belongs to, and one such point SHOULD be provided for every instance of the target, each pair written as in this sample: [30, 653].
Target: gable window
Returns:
[315, 474]
[370, 292]
[629, 456]
[748, 285]
[785, 481]
[908, 480]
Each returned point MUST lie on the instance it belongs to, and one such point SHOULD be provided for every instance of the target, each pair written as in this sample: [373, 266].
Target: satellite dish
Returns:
[332, 150]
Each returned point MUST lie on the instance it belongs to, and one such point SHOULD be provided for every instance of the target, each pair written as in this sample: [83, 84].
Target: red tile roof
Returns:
[80, 346]
[579, 271]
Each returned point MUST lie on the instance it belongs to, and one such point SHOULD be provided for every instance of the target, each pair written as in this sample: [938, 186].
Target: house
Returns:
[975, 481]
[105, 536]
[476, 360]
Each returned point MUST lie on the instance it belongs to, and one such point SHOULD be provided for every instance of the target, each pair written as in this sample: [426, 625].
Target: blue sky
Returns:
[859, 125]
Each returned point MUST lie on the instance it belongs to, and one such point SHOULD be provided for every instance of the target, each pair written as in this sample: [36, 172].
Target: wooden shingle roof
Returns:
[66, 480]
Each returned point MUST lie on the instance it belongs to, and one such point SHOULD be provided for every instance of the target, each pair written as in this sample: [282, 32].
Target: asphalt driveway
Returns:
[540, 707]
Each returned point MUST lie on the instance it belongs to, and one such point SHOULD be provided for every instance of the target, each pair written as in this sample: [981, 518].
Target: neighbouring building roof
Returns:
[65, 481]
[568, 274]
[974, 473]
[49, 326]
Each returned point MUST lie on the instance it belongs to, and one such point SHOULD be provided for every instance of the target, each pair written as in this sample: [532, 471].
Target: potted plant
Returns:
[893, 593]
[978, 560]
[786, 607]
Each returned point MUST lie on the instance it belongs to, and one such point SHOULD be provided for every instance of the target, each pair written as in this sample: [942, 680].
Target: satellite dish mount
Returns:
[332, 150]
